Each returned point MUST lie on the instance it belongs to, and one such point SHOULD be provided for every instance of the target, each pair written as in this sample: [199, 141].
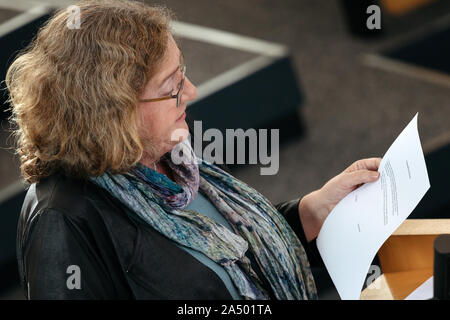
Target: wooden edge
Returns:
[423, 227]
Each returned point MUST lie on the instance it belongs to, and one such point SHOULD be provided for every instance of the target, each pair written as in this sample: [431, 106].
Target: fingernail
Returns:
[375, 175]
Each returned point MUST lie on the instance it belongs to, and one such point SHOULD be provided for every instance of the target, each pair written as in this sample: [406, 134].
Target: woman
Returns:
[108, 214]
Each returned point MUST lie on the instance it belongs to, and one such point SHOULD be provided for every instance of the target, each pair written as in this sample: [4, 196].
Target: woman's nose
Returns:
[189, 91]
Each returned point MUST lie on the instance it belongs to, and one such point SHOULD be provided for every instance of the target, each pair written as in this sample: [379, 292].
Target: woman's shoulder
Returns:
[74, 197]
[68, 200]
[61, 224]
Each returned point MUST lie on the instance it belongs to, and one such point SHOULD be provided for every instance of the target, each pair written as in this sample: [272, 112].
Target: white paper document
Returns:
[360, 223]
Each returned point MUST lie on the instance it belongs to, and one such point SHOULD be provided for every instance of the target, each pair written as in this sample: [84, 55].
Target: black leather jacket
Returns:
[68, 222]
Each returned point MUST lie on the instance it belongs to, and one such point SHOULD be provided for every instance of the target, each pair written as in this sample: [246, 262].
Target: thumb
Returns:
[358, 177]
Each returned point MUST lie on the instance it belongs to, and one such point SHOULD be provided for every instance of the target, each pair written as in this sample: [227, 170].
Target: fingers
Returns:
[365, 164]
[358, 177]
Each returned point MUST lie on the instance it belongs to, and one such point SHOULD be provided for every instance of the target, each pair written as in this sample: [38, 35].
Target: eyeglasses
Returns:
[180, 89]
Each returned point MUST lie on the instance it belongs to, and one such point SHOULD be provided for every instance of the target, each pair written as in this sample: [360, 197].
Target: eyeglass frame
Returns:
[173, 96]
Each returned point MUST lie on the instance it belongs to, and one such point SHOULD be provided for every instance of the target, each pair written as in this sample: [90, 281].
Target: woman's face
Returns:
[160, 119]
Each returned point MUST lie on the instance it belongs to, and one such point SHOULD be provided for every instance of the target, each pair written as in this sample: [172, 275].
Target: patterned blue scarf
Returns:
[257, 225]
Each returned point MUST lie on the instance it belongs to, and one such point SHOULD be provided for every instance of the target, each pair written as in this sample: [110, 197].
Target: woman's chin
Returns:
[179, 133]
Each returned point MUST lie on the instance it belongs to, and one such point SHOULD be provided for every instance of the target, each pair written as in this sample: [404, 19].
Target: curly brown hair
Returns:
[74, 92]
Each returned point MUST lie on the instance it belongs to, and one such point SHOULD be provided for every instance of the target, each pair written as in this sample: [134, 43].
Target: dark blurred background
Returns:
[337, 90]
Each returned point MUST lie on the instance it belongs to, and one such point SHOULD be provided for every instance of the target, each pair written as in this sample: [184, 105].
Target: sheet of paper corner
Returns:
[348, 252]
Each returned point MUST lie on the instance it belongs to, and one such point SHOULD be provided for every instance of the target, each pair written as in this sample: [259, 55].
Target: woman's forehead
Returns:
[170, 62]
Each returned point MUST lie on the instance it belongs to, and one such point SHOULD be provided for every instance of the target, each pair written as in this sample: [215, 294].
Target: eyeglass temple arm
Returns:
[158, 99]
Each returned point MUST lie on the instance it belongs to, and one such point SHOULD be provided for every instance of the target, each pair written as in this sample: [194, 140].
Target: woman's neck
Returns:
[160, 166]
[164, 169]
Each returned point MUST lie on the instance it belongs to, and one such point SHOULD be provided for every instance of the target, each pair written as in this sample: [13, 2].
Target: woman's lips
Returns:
[182, 117]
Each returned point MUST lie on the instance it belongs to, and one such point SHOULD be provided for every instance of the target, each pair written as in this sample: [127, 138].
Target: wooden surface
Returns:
[406, 259]
[395, 285]
[410, 247]
[423, 227]
[404, 253]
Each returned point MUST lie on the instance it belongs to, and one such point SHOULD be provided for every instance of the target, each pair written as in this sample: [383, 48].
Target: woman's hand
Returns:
[317, 205]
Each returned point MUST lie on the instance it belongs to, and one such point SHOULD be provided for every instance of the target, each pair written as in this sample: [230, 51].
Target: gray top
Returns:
[202, 205]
